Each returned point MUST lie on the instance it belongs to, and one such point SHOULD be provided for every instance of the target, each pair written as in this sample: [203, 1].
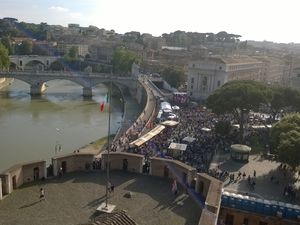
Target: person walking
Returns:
[42, 194]
[174, 187]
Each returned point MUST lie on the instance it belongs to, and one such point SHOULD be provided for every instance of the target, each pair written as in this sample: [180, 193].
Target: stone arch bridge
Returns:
[20, 62]
[36, 79]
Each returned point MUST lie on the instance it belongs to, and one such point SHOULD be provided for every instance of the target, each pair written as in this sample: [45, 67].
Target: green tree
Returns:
[285, 140]
[238, 98]
[282, 97]
[173, 75]
[72, 55]
[4, 59]
[223, 128]
[123, 60]
[7, 43]
[25, 48]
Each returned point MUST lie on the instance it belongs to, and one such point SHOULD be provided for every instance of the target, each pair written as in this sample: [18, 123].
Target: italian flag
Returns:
[102, 106]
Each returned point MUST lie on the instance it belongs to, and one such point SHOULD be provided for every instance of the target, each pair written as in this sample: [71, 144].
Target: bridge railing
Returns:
[66, 73]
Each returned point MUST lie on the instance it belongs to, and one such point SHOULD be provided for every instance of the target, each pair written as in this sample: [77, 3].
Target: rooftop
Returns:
[73, 199]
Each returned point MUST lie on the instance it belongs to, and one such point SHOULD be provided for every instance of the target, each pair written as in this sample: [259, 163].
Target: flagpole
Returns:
[108, 140]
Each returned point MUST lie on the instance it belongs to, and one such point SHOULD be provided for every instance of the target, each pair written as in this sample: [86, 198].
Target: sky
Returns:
[271, 20]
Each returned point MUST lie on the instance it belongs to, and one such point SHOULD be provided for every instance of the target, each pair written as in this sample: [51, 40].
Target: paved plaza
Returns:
[265, 169]
[73, 199]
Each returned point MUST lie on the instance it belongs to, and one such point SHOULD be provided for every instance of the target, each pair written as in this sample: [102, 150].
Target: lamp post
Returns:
[105, 207]
[108, 142]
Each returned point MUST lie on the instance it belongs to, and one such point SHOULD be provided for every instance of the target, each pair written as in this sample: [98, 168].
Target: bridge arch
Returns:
[13, 66]
[34, 64]
[56, 65]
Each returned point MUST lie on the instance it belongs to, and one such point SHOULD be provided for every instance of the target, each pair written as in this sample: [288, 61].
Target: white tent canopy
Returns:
[170, 123]
[189, 139]
[146, 137]
[177, 146]
[206, 129]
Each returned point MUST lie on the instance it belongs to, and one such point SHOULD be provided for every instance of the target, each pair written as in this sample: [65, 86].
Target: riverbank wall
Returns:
[5, 82]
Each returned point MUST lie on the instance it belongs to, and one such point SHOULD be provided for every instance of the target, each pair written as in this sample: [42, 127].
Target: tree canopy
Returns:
[238, 98]
[4, 59]
[25, 48]
[285, 140]
[173, 75]
[282, 97]
[7, 43]
[123, 60]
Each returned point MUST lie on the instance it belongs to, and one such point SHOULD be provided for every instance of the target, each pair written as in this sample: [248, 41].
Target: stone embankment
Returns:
[5, 82]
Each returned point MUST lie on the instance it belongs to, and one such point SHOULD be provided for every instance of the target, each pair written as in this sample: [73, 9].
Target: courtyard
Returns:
[73, 199]
[264, 169]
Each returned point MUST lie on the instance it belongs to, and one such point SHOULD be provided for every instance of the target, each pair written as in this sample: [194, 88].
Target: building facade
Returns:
[208, 74]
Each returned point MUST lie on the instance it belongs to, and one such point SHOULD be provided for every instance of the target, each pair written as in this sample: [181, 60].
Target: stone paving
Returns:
[73, 199]
[264, 188]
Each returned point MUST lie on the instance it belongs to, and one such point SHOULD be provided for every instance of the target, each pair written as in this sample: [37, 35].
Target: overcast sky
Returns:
[272, 20]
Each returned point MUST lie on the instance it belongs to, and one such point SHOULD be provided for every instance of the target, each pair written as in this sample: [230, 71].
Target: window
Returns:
[21, 62]
[191, 93]
[219, 83]
[246, 221]
[220, 67]
[192, 80]
[193, 65]
[192, 86]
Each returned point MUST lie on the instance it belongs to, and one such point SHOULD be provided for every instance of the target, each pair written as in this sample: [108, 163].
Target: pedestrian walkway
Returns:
[264, 170]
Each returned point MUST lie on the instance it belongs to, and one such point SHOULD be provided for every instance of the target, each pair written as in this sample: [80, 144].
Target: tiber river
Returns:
[31, 128]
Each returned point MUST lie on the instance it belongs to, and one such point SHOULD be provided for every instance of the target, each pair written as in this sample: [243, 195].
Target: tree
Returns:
[173, 75]
[73, 52]
[25, 48]
[238, 98]
[39, 50]
[4, 59]
[123, 60]
[223, 128]
[7, 44]
[285, 140]
[280, 98]
[72, 55]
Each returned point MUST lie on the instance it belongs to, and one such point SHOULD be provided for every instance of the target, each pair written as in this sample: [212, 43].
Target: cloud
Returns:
[66, 12]
[59, 9]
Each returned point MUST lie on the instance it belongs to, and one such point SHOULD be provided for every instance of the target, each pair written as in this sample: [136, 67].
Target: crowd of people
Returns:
[198, 123]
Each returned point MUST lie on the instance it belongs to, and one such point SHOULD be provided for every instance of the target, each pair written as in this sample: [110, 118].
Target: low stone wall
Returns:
[148, 111]
[5, 82]
[19, 174]
[72, 162]
[170, 168]
[123, 161]
[208, 187]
